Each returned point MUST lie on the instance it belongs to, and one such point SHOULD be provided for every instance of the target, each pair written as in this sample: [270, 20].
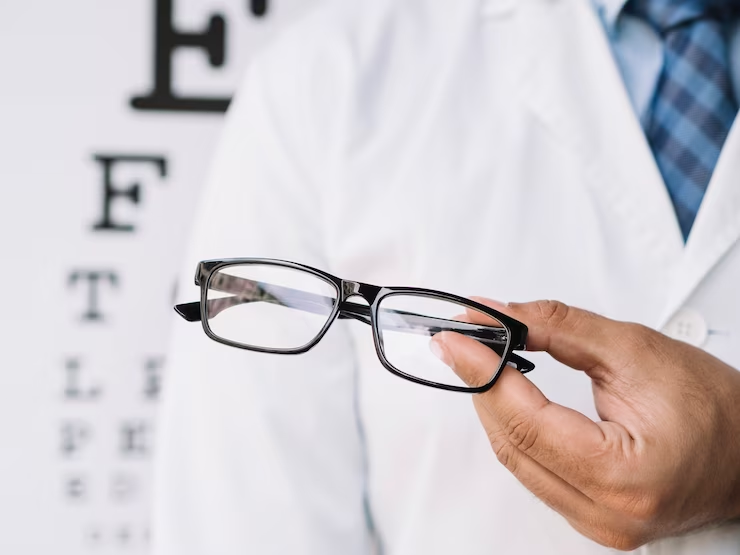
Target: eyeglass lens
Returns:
[407, 322]
[266, 306]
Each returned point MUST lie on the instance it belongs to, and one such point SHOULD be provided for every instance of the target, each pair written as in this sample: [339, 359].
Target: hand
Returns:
[664, 459]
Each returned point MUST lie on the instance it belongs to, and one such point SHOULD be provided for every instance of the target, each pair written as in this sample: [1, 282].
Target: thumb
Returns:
[578, 338]
[516, 412]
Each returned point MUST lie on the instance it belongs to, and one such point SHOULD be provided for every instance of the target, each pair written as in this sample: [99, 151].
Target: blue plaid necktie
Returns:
[694, 104]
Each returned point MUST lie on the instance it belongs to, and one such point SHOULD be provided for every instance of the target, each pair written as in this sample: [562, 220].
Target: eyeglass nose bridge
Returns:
[356, 288]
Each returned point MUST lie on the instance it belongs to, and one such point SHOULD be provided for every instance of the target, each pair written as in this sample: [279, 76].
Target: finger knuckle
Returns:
[506, 454]
[621, 539]
[497, 438]
[631, 343]
[633, 502]
[635, 334]
[644, 508]
[641, 338]
[553, 313]
[637, 514]
[522, 431]
[602, 527]
[612, 528]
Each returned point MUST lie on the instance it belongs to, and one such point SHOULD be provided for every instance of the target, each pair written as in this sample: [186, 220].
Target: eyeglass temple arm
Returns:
[493, 338]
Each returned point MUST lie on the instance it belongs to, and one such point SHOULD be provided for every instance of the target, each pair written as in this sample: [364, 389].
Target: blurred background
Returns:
[109, 112]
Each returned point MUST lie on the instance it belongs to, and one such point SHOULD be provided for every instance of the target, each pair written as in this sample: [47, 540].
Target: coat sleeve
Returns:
[260, 454]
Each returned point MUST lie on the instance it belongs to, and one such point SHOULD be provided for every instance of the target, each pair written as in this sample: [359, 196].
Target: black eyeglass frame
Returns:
[373, 295]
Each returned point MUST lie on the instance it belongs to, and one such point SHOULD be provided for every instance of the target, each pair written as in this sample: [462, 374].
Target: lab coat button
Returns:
[689, 326]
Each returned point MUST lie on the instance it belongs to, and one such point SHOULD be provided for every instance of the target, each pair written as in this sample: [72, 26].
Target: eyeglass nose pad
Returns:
[364, 290]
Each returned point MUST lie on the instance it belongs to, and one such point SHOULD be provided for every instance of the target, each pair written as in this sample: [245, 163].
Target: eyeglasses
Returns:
[279, 307]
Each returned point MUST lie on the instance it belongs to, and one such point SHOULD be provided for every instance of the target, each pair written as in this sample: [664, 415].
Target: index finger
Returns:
[578, 338]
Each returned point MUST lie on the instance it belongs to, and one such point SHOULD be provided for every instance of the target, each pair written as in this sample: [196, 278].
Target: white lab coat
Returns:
[478, 147]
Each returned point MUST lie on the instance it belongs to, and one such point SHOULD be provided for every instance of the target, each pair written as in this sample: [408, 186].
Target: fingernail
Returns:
[435, 345]
[499, 303]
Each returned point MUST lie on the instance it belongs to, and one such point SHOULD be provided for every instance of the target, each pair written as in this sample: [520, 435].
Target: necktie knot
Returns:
[667, 15]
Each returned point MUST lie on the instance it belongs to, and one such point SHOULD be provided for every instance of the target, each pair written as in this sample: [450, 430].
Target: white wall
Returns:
[79, 375]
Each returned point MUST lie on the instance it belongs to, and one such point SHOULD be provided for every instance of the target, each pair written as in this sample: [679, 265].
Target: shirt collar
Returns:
[610, 11]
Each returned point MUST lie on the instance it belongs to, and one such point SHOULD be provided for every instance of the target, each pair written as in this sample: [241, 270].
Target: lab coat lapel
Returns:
[574, 87]
[716, 228]
[572, 84]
